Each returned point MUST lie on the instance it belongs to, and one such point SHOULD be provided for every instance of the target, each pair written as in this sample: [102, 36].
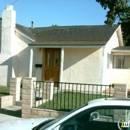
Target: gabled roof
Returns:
[69, 35]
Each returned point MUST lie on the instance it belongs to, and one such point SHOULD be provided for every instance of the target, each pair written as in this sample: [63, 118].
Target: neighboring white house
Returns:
[119, 69]
[79, 54]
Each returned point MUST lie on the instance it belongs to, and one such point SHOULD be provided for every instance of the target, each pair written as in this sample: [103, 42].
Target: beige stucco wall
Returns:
[21, 58]
[38, 59]
[118, 76]
[107, 61]
[5, 69]
[82, 65]
[112, 43]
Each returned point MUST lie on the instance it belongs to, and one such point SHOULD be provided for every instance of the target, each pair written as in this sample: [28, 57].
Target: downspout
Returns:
[31, 63]
[104, 61]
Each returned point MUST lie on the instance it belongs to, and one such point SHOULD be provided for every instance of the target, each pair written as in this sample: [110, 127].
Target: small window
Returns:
[56, 58]
[49, 53]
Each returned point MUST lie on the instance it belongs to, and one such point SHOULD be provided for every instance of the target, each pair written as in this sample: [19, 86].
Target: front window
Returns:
[121, 61]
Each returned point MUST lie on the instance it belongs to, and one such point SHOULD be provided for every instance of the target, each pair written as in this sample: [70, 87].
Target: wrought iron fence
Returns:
[67, 96]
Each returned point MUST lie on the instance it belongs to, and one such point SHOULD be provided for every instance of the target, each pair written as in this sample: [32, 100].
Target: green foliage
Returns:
[55, 25]
[118, 11]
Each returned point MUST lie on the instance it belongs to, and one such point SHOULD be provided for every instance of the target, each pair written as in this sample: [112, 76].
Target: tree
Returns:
[119, 12]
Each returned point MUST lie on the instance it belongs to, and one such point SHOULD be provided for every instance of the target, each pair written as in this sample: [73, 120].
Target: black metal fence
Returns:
[67, 96]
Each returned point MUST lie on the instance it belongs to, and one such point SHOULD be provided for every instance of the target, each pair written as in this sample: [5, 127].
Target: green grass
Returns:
[4, 91]
[66, 101]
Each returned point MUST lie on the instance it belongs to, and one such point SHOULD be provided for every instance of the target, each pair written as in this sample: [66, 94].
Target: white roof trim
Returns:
[89, 46]
[119, 35]
[25, 35]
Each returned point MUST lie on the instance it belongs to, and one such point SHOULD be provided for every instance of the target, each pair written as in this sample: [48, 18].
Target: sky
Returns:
[56, 12]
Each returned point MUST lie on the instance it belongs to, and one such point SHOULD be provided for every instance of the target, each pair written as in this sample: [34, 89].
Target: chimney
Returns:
[8, 26]
[32, 25]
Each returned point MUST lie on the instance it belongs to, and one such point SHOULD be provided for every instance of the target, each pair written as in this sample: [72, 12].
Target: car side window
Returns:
[110, 115]
[109, 119]
[76, 121]
[97, 118]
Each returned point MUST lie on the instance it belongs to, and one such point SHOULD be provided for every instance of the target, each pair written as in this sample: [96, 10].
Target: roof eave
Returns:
[119, 34]
[32, 39]
[65, 46]
[120, 52]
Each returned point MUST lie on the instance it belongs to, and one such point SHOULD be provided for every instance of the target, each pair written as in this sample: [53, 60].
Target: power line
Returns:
[11, 4]
[14, 2]
[2, 10]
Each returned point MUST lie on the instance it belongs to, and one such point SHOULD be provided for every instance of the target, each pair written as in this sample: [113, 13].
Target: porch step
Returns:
[19, 103]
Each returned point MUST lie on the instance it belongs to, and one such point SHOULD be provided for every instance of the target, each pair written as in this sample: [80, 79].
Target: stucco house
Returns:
[119, 69]
[79, 54]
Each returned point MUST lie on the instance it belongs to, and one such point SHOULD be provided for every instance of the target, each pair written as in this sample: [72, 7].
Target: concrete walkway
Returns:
[10, 113]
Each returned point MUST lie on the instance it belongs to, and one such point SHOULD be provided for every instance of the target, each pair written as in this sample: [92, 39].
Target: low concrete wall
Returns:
[6, 101]
[15, 84]
[40, 113]
[120, 91]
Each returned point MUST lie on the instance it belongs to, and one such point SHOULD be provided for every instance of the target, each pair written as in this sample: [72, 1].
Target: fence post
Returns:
[15, 84]
[28, 97]
[120, 91]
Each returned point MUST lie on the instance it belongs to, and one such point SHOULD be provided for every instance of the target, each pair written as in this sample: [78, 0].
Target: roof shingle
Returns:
[74, 33]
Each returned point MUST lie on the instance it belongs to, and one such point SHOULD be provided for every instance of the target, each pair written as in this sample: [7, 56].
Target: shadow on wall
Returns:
[7, 70]
[16, 66]
[75, 55]
[23, 59]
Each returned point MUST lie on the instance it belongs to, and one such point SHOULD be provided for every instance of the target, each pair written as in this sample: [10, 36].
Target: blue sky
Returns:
[59, 12]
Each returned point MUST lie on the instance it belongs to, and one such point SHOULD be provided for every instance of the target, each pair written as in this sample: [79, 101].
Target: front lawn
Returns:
[4, 91]
[66, 101]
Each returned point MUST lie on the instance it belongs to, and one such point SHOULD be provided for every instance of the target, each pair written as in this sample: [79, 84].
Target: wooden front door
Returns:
[52, 64]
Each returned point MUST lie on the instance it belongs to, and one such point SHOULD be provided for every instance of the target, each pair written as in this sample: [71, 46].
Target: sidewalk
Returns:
[10, 113]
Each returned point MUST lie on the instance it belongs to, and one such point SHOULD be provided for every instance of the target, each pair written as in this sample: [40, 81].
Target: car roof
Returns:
[110, 102]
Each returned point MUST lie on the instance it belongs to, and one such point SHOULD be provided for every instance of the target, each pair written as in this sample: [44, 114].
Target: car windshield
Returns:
[58, 119]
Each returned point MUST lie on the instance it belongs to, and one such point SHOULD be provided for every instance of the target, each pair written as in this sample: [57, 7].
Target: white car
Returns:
[99, 114]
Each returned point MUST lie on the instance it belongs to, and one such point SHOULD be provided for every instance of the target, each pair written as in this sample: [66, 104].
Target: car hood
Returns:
[22, 124]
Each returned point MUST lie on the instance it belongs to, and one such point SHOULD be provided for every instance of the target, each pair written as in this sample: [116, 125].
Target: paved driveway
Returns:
[10, 113]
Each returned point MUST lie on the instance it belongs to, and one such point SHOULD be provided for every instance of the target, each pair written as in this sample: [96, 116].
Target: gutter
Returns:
[65, 46]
